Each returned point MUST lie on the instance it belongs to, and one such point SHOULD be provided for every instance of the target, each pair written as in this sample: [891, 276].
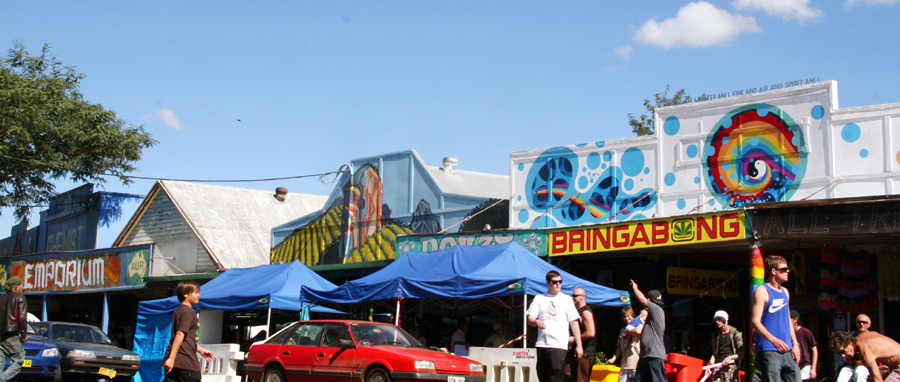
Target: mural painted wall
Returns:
[781, 145]
[369, 209]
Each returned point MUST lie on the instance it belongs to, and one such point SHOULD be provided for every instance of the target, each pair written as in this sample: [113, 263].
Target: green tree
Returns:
[49, 132]
[644, 124]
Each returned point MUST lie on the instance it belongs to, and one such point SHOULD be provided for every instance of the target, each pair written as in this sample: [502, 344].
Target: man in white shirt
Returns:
[554, 314]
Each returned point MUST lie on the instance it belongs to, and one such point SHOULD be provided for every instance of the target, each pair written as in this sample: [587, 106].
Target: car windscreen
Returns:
[78, 333]
[381, 334]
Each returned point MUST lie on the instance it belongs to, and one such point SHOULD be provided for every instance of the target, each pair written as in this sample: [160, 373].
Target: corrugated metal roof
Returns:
[235, 224]
[473, 184]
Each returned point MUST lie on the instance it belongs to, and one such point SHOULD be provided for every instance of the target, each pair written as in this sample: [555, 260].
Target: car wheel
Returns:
[274, 374]
[57, 377]
[377, 375]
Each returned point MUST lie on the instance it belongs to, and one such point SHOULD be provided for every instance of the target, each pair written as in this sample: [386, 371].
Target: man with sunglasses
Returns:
[852, 370]
[868, 349]
[554, 314]
[777, 349]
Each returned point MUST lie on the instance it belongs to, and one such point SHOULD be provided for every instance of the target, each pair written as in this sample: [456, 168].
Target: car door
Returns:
[298, 353]
[334, 362]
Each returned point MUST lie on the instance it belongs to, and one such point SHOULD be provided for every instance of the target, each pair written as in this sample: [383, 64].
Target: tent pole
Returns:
[269, 321]
[524, 319]
[397, 316]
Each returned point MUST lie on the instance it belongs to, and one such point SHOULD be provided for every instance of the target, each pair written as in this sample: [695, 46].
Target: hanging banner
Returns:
[102, 269]
[704, 228]
[534, 241]
[689, 281]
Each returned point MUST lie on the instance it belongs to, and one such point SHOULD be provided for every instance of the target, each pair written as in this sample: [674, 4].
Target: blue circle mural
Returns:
[817, 112]
[633, 161]
[672, 125]
[851, 132]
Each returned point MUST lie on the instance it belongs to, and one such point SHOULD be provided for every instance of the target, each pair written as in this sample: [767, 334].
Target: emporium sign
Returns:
[694, 229]
[111, 268]
[689, 281]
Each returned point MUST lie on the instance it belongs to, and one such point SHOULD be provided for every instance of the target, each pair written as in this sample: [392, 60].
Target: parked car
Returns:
[86, 353]
[353, 351]
[41, 359]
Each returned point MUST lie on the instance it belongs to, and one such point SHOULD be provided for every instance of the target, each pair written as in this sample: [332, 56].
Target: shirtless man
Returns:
[869, 349]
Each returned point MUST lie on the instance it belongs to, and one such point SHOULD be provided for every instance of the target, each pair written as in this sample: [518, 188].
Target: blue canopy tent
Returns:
[266, 286]
[463, 272]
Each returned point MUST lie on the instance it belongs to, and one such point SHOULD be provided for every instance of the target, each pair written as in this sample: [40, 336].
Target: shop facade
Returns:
[766, 157]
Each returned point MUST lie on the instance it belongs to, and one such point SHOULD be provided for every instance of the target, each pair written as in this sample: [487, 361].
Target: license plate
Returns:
[26, 363]
[107, 372]
[456, 379]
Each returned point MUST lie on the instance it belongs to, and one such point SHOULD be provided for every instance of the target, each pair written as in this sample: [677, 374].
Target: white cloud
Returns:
[624, 51]
[697, 24]
[786, 9]
[850, 3]
[167, 116]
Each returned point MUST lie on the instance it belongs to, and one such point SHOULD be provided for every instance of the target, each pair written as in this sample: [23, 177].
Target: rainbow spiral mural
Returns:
[753, 155]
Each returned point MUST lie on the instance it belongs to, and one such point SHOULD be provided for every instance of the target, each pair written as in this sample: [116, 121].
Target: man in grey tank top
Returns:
[651, 365]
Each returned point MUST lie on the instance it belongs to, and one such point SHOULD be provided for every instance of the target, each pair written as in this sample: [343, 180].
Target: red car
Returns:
[353, 351]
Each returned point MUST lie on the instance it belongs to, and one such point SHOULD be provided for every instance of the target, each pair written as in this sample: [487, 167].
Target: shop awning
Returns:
[462, 272]
[266, 286]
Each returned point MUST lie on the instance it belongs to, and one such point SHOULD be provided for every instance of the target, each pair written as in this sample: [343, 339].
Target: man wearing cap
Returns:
[777, 348]
[809, 353]
[13, 325]
[727, 347]
[651, 365]
[554, 314]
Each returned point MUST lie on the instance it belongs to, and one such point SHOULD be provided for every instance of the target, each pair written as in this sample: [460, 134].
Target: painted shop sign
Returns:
[689, 281]
[704, 228]
[534, 241]
[111, 268]
[841, 219]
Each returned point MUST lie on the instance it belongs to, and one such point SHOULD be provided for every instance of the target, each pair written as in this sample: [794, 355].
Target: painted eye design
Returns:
[757, 169]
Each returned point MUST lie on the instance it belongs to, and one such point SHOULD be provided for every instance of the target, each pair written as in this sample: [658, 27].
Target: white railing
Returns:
[224, 367]
[507, 364]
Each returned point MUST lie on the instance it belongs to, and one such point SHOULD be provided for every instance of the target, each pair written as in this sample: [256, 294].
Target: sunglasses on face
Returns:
[783, 270]
[577, 295]
[862, 322]
[555, 282]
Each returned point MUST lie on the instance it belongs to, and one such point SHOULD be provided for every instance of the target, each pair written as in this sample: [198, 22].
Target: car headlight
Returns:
[51, 352]
[131, 357]
[81, 354]
[425, 367]
[476, 369]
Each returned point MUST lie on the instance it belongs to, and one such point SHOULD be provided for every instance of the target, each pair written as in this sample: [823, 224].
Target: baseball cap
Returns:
[721, 313]
[655, 296]
[795, 314]
[13, 281]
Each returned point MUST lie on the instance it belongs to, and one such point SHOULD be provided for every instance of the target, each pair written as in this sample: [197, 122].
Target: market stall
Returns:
[263, 287]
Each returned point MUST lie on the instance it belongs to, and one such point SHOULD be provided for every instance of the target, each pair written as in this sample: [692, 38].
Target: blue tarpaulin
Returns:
[274, 286]
[463, 272]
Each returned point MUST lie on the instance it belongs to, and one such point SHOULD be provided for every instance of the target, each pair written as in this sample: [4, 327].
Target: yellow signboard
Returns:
[704, 228]
[700, 281]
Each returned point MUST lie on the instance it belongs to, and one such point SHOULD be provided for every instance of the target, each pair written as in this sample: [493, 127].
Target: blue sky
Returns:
[248, 90]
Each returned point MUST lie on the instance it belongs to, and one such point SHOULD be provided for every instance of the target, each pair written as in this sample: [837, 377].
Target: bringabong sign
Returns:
[692, 229]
